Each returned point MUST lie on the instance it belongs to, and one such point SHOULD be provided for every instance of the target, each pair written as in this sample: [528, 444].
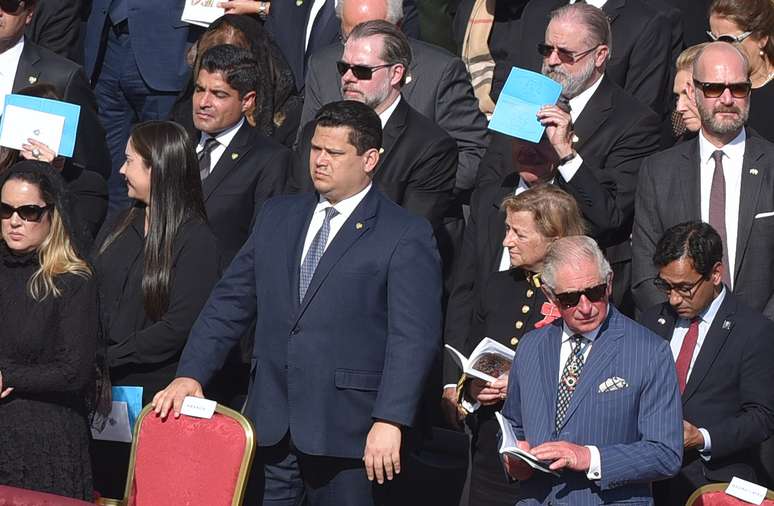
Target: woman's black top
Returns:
[761, 107]
[47, 354]
[141, 351]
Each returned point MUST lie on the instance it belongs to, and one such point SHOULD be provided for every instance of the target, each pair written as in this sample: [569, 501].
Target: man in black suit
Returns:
[643, 48]
[724, 176]
[723, 352]
[437, 86]
[240, 169]
[56, 26]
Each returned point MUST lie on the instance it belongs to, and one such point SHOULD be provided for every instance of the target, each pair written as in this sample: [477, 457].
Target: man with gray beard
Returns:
[600, 142]
[725, 177]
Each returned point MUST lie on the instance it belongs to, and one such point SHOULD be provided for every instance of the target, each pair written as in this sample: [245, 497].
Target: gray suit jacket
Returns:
[439, 89]
[668, 193]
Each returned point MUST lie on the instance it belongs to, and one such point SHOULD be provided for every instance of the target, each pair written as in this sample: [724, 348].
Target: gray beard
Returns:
[710, 123]
[572, 86]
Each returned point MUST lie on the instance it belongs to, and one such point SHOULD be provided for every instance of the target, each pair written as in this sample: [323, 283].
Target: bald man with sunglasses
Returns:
[725, 177]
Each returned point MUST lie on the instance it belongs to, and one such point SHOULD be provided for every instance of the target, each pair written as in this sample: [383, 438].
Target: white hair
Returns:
[572, 250]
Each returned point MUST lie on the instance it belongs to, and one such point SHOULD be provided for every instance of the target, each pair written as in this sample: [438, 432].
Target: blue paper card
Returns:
[132, 396]
[523, 94]
[41, 118]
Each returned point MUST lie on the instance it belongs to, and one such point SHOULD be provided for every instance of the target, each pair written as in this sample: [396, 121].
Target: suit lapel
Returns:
[754, 176]
[665, 322]
[298, 224]
[230, 158]
[411, 81]
[690, 176]
[27, 72]
[392, 131]
[594, 115]
[550, 348]
[716, 337]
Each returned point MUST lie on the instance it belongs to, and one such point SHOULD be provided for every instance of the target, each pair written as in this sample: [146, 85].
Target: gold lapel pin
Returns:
[299, 3]
[754, 172]
[32, 79]
[661, 321]
[234, 156]
[358, 225]
[381, 151]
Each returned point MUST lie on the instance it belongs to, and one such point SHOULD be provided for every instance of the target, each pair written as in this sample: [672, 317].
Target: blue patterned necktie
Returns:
[570, 376]
[315, 252]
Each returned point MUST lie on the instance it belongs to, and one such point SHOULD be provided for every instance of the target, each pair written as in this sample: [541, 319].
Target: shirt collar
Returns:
[346, 206]
[578, 103]
[385, 115]
[225, 137]
[708, 314]
[590, 336]
[733, 150]
[9, 59]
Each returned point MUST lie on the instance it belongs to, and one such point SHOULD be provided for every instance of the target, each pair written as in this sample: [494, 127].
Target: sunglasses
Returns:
[10, 6]
[685, 291]
[731, 39]
[714, 90]
[29, 212]
[362, 72]
[565, 56]
[571, 299]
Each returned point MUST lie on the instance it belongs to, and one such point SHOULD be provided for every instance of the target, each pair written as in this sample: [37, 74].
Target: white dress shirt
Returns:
[316, 8]
[733, 159]
[706, 318]
[9, 63]
[224, 138]
[345, 209]
[384, 117]
[577, 104]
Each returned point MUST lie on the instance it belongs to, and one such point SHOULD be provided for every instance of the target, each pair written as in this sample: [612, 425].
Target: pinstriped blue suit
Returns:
[638, 429]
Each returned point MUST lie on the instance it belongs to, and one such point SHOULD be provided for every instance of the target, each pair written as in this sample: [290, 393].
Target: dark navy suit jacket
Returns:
[360, 345]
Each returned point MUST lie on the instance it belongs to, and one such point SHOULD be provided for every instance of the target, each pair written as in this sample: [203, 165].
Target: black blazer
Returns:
[641, 52]
[416, 167]
[252, 169]
[668, 193]
[39, 65]
[729, 391]
[56, 25]
[143, 352]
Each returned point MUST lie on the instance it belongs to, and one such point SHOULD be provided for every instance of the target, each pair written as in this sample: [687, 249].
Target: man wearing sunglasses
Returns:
[593, 394]
[724, 176]
[723, 352]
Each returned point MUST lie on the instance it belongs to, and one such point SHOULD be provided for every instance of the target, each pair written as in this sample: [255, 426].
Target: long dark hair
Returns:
[175, 197]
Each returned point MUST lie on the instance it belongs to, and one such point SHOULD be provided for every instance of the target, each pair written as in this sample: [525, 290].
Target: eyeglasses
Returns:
[10, 6]
[571, 299]
[714, 90]
[685, 291]
[362, 72]
[565, 56]
[29, 212]
[731, 39]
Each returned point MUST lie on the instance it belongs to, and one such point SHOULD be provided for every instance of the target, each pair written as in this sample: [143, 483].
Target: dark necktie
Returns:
[315, 252]
[683, 362]
[205, 157]
[118, 12]
[570, 377]
[717, 211]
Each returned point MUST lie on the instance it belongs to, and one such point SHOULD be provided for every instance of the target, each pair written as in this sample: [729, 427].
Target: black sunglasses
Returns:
[571, 299]
[10, 6]
[685, 291]
[565, 56]
[29, 212]
[714, 90]
[362, 72]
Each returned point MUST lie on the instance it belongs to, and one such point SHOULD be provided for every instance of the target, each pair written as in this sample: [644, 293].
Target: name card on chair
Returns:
[746, 491]
[198, 407]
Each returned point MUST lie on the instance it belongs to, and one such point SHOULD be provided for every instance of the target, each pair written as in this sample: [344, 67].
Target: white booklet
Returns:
[201, 12]
[509, 447]
[21, 124]
[489, 360]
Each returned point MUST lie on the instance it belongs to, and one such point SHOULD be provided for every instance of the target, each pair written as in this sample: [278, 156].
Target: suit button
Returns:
[514, 341]
[530, 293]
[525, 309]
[519, 324]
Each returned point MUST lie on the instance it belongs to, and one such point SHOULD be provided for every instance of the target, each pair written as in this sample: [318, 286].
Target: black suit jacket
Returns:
[641, 52]
[56, 25]
[439, 89]
[252, 169]
[39, 65]
[729, 391]
[668, 193]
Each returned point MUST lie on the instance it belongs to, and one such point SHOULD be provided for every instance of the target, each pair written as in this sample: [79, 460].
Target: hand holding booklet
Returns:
[489, 360]
[509, 447]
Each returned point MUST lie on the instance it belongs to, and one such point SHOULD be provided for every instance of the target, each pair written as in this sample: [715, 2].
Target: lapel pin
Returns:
[32, 79]
[381, 151]
[661, 321]
[726, 325]
[299, 3]
[754, 172]
[408, 79]
[575, 139]
[234, 156]
[358, 225]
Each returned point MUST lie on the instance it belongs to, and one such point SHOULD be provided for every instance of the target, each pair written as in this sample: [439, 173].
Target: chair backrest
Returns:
[190, 461]
[714, 494]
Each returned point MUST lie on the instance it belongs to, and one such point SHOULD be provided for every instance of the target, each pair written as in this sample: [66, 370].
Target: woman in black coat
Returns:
[157, 264]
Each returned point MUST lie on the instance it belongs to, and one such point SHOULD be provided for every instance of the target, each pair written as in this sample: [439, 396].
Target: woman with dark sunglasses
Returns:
[510, 304]
[48, 338]
[750, 25]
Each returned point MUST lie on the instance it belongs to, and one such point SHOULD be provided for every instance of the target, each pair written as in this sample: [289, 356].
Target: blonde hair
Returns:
[57, 256]
[688, 56]
[555, 211]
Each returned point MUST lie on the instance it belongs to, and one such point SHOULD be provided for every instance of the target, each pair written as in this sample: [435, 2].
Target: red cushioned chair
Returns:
[714, 494]
[188, 461]
[12, 496]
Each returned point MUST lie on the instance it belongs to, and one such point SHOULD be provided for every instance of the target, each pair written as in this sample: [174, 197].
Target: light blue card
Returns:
[132, 396]
[70, 113]
[523, 94]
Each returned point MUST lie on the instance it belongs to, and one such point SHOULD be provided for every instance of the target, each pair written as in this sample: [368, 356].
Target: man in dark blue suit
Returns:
[594, 394]
[346, 289]
[135, 58]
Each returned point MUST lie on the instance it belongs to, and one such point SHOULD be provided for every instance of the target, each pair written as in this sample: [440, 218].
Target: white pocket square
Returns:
[612, 384]
[764, 215]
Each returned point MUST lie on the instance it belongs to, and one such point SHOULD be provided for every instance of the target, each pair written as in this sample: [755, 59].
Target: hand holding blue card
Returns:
[52, 122]
[523, 94]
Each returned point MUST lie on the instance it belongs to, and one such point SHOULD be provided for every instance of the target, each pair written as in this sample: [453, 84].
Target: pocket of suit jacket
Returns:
[354, 379]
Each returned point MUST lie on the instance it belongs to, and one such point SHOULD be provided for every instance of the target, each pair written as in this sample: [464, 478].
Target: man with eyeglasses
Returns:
[724, 176]
[723, 352]
[593, 394]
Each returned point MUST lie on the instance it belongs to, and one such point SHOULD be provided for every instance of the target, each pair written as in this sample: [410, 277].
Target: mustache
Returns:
[725, 108]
